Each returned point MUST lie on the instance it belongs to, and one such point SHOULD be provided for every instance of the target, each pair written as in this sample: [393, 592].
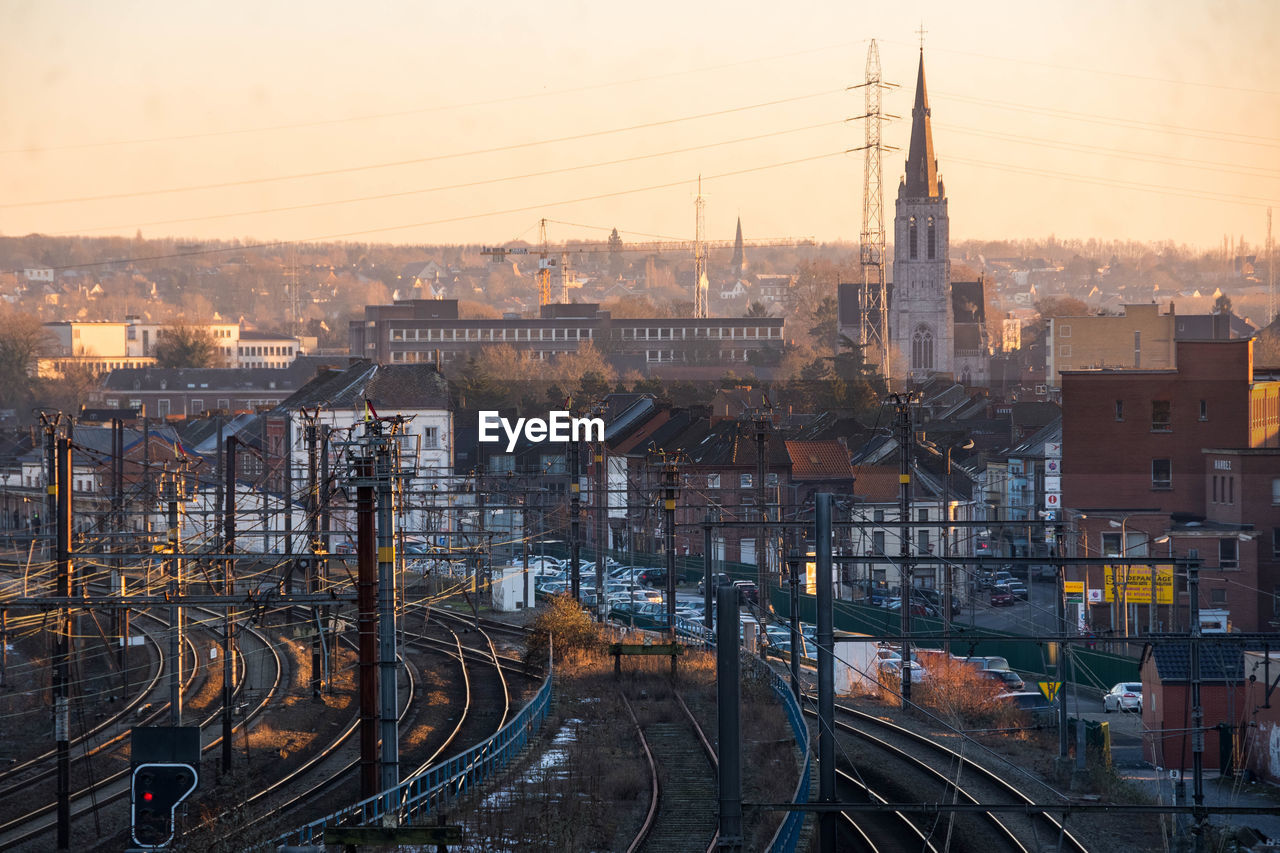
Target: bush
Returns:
[563, 627]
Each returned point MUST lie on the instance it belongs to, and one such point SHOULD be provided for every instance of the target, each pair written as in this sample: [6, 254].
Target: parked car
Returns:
[1018, 590]
[718, 579]
[1126, 696]
[894, 667]
[1004, 679]
[749, 591]
[987, 662]
[653, 577]
[1002, 597]
[1041, 710]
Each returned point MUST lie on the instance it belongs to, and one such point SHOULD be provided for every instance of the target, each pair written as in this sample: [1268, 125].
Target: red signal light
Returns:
[148, 796]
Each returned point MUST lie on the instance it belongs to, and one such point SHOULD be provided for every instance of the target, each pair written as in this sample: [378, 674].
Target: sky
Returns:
[431, 122]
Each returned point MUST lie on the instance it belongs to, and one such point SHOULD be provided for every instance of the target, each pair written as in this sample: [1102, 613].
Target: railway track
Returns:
[895, 764]
[22, 775]
[40, 822]
[683, 809]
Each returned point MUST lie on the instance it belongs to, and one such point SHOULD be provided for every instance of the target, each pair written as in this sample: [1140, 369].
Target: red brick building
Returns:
[1180, 462]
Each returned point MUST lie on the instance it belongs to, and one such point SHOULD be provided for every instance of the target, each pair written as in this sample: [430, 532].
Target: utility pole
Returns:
[762, 425]
[228, 589]
[287, 458]
[670, 482]
[172, 487]
[575, 527]
[797, 647]
[367, 624]
[325, 490]
[1064, 649]
[902, 409]
[60, 494]
[827, 821]
[1197, 709]
[120, 615]
[390, 775]
[315, 547]
[708, 567]
[601, 508]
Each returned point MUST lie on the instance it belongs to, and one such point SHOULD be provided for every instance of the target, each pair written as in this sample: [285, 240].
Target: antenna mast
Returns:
[700, 284]
[1271, 273]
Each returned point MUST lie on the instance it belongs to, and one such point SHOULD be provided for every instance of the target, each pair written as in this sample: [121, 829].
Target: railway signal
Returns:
[157, 790]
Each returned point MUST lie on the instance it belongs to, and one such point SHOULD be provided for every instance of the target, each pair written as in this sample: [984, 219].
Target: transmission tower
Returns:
[700, 284]
[873, 332]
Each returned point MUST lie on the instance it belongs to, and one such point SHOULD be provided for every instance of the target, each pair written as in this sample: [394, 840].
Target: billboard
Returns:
[1132, 584]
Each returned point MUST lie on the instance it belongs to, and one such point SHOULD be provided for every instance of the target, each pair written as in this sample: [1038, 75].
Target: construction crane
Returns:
[547, 259]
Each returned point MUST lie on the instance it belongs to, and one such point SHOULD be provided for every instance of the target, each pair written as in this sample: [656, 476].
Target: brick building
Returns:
[1179, 462]
[420, 330]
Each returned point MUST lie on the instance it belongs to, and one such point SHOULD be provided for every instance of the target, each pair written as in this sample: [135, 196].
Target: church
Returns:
[936, 325]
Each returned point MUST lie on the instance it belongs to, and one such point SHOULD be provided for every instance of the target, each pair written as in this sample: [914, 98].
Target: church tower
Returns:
[738, 263]
[921, 320]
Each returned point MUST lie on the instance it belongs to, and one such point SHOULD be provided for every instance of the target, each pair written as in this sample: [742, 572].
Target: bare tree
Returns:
[182, 345]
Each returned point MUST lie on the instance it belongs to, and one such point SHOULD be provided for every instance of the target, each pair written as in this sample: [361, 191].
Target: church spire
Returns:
[922, 168]
[739, 261]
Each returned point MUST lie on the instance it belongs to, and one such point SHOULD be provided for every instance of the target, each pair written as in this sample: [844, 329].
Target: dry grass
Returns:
[596, 795]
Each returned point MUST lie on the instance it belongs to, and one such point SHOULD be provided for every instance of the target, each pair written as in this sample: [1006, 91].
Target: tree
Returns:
[182, 345]
[826, 322]
[617, 264]
[1222, 305]
[757, 309]
[23, 339]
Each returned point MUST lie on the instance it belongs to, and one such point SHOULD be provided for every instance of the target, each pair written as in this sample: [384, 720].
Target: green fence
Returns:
[1090, 667]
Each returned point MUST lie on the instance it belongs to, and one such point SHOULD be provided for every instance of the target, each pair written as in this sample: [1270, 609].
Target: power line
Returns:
[457, 186]
[424, 110]
[515, 146]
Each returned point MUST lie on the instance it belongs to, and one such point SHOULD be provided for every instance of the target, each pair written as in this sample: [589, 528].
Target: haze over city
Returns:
[429, 123]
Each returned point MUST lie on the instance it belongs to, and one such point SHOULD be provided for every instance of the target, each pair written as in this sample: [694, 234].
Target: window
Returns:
[745, 481]
[1275, 491]
[1231, 489]
[878, 515]
[1215, 489]
[1065, 350]
[162, 408]
[713, 481]
[1217, 596]
[1161, 416]
[922, 349]
[922, 541]
[923, 515]
[771, 479]
[1137, 349]
[1204, 410]
[430, 438]
[1111, 544]
[933, 240]
[197, 405]
[1064, 331]
[224, 403]
[1161, 474]
[554, 464]
[1228, 554]
[877, 542]
[1119, 410]
[502, 463]
[1275, 541]
[911, 238]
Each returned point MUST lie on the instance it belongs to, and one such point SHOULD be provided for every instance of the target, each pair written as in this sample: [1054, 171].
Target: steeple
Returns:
[922, 168]
[738, 262]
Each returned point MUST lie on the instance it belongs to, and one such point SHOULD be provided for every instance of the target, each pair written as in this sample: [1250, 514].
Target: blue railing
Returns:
[788, 834]
[414, 798]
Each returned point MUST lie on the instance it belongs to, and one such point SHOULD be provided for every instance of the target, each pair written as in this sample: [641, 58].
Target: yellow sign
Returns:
[1070, 587]
[1049, 689]
[1132, 584]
